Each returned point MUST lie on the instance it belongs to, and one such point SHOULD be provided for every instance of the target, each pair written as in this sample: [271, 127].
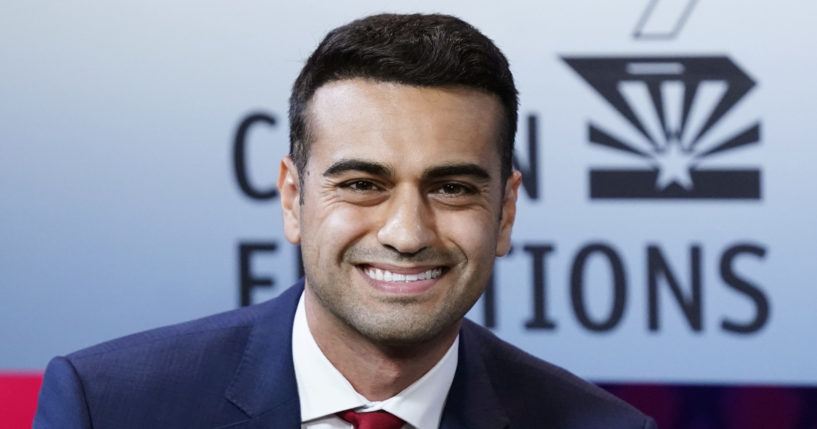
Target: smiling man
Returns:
[400, 191]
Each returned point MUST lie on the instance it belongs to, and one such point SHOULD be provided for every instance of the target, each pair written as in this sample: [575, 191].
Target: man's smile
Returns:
[399, 280]
[402, 275]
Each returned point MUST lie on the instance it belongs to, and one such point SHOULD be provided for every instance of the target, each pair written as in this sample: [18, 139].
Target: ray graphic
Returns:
[672, 99]
[602, 137]
[750, 135]
[637, 96]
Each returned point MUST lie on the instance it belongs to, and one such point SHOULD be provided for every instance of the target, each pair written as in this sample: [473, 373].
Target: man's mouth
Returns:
[395, 277]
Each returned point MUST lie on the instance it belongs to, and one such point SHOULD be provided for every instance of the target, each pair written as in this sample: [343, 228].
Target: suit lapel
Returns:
[472, 402]
[264, 384]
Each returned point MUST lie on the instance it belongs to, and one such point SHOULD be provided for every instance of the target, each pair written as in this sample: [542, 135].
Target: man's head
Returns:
[401, 199]
[418, 50]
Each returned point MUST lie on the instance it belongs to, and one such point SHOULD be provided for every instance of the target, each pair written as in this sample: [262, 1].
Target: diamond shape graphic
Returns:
[672, 104]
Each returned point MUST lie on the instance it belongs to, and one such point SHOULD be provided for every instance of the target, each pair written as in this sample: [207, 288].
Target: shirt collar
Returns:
[323, 390]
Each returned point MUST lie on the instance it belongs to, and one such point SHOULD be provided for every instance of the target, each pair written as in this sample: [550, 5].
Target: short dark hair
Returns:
[421, 50]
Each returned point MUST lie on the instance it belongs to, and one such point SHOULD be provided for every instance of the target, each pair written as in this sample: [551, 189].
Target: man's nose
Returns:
[408, 224]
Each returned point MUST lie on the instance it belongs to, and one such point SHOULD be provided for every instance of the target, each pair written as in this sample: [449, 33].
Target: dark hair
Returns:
[421, 50]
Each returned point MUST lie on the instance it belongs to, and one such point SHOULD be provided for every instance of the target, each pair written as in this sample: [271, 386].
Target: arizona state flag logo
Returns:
[672, 111]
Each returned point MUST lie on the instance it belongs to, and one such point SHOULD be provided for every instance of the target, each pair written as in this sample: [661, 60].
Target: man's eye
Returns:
[455, 189]
[360, 186]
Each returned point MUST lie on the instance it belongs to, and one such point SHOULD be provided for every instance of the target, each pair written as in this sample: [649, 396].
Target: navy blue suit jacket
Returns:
[234, 370]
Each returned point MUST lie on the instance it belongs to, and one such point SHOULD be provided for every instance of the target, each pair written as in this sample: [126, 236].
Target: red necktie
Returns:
[373, 420]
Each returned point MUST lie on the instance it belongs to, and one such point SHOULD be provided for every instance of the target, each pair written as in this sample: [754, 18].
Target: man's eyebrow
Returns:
[472, 170]
[344, 165]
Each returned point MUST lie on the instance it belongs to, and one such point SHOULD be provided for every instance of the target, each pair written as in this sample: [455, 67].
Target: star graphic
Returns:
[674, 164]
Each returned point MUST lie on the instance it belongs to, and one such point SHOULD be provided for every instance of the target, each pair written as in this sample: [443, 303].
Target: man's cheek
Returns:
[474, 235]
[343, 221]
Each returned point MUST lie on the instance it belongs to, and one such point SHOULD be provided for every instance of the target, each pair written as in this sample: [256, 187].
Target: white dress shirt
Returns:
[323, 391]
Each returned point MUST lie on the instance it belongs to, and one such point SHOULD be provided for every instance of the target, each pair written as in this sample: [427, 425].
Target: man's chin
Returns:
[411, 331]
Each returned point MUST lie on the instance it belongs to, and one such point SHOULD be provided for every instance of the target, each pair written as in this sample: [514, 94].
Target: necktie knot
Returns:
[372, 420]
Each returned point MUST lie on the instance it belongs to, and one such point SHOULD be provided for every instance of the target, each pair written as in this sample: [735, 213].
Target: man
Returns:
[400, 191]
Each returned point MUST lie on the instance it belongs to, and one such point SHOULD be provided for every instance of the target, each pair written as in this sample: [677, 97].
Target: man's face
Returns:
[403, 207]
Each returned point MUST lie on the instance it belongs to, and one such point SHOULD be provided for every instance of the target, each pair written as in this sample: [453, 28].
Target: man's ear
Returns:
[503, 244]
[289, 187]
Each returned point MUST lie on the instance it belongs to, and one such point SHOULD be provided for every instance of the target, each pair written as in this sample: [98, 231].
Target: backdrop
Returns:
[665, 230]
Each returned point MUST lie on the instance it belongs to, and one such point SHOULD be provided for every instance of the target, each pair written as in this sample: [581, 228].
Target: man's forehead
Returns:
[386, 113]
[391, 111]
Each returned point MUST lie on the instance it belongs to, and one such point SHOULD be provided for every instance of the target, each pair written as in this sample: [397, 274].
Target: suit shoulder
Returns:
[161, 374]
[173, 376]
[515, 361]
[527, 385]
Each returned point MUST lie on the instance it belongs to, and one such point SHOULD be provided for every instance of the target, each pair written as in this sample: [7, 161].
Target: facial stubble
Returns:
[396, 322]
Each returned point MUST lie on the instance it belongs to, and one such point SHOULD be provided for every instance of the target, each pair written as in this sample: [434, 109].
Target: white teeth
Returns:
[388, 276]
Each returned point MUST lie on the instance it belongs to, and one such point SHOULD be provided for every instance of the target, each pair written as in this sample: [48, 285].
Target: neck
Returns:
[376, 371]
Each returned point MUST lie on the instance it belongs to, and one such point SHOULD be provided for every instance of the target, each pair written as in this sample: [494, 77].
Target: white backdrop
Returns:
[121, 210]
